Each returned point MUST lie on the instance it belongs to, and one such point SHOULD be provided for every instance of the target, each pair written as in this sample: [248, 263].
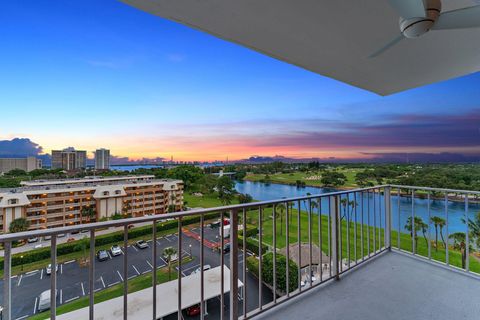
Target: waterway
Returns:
[373, 204]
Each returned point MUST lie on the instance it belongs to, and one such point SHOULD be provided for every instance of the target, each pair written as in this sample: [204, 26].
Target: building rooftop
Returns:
[85, 182]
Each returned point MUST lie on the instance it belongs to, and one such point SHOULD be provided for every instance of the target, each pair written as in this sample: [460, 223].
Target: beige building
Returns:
[69, 159]
[58, 203]
[102, 159]
[27, 164]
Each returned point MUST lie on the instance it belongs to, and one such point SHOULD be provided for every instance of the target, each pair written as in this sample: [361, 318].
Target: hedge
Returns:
[251, 245]
[267, 271]
[67, 248]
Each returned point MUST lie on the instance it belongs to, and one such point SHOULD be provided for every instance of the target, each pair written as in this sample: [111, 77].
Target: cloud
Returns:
[19, 147]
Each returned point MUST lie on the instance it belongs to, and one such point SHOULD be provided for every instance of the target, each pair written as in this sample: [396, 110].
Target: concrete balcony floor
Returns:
[392, 286]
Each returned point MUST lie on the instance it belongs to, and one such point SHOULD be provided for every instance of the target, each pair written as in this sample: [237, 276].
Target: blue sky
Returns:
[102, 74]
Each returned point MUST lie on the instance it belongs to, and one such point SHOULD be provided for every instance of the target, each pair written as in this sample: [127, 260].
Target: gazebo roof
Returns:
[305, 254]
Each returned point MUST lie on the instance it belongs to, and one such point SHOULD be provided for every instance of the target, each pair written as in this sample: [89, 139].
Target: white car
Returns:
[32, 239]
[49, 268]
[44, 300]
[115, 250]
[205, 268]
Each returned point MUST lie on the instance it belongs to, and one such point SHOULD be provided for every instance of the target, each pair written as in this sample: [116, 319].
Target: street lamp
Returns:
[190, 247]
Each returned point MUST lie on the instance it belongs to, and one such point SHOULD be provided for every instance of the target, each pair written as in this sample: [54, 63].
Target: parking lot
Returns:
[72, 279]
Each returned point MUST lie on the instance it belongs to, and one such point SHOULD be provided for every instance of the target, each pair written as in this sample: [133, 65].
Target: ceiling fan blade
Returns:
[409, 8]
[459, 19]
[387, 46]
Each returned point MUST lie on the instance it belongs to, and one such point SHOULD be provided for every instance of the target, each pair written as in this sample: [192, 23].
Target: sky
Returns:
[93, 74]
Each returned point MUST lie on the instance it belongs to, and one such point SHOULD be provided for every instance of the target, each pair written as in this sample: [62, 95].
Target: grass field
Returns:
[348, 237]
[291, 178]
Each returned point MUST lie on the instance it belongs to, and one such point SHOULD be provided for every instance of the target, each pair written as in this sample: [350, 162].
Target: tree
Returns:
[419, 225]
[169, 252]
[87, 212]
[279, 211]
[82, 245]
[438, 222]
[189, 174]
[225, 187]
[281, 272]
[245, 198]
[474, 227]
[333, 179]
[19, 225]
[459, 244]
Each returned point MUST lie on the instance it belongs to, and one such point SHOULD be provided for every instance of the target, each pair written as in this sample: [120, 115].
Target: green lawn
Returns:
[139, 283]
[205, 201]
[349, 241]
[291, 178]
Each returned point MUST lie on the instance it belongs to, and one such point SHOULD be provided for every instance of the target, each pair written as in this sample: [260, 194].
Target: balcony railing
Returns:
[320, 236]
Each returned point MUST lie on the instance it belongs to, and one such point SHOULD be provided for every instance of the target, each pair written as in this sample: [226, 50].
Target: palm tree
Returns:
[438, 222]
[279, 211]
[19, 225]
[474, 227]
[419, 225]
[88, 212]
[82, 245]
[459, 244]
[169, 252]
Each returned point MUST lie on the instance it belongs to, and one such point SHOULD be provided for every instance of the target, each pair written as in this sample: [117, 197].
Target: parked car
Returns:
[115, 250]
[47, 238]
[226, 222]
[141, 244]
[102, 255]
[70, 239]
[226, 248]
[44, 300]
[49, 268]
[205, 268]
[193, 310]
[32, 239]
[61, 235]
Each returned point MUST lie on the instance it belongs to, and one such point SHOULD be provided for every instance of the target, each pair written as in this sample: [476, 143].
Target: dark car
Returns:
[226, 248]
[102, 255]
[215, 224]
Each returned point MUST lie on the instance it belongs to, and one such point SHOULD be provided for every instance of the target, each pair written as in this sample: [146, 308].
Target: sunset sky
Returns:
[95, 74]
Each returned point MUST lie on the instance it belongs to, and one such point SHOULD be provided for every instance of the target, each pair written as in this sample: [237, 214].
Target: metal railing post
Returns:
[7, 281]
[91, 275]
[334, 205]
[234, 265]
[388, 219]
[53, 278]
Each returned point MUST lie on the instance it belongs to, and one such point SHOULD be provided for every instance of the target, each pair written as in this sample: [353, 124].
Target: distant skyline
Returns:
[92, 74]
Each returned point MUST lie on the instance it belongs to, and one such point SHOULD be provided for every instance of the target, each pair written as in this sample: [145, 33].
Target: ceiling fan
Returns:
[417, 17]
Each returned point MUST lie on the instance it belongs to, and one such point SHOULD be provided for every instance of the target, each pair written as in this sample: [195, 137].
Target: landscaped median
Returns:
[136, 284]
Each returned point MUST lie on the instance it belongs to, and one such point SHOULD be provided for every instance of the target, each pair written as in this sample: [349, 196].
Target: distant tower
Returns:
[102, 159]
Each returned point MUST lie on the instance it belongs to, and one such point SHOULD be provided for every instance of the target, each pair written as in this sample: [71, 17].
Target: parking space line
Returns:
[121, 278]
[112, 284]
[61, 296]
[31, 272]
[35, 306]
[23, 317]
[83, 289]
[146, 271]
[136, 270]
[149, 240]
[61, 269]
[134, 247]
[41, 275]
[165, 262]
[71, 299]
[159, 243]
[20, 280]
[103, 282]
[131, 277]
[109, 256]
[69, 262]
[14, 276]
[149, 264]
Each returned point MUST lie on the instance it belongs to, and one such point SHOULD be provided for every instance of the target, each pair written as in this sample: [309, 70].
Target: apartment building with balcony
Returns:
[59, 203]
[102, 159]
[27, 164]
[69, 159]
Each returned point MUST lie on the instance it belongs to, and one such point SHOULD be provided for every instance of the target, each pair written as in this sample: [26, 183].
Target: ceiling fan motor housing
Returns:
[414, 27]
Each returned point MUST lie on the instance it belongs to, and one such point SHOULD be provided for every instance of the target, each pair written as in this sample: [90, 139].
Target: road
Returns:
[72, 279]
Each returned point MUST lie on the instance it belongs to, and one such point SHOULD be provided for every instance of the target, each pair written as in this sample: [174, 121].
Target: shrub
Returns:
[281, 270]
[252, 245]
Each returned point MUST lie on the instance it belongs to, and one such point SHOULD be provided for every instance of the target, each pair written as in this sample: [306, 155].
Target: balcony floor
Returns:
[392, 286]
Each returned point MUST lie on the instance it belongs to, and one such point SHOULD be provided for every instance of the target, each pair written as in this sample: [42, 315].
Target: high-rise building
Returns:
[69, 159]
[102, 159]
[27, 164]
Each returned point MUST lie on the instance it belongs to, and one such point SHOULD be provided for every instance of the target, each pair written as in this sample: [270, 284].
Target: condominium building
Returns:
[58, 203]
[69, 159]
[27, 164]
[102, 159]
